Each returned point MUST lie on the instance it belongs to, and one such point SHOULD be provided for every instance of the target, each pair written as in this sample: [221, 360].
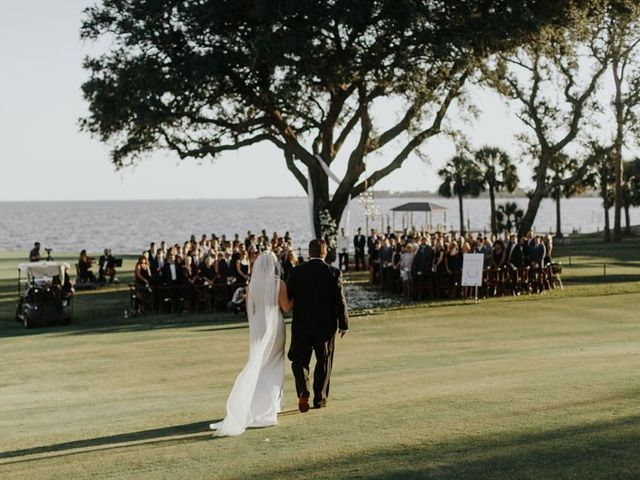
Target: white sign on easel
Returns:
[472, 269]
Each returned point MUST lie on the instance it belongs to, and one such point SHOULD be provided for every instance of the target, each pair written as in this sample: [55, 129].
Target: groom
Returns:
[319, 310]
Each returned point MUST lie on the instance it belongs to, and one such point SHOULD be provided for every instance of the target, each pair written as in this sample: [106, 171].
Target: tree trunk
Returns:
[538, 194]
[558, 196]
[494, 222]
[627, 218]
[461, 215]
[320, 183]
[617, 155]
[604, 179]
[532, 210]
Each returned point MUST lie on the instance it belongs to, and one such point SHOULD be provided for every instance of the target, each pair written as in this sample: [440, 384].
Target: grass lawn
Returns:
[528, 387]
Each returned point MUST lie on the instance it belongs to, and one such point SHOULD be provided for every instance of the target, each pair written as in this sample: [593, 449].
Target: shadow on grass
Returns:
[140, 324]
[157, 435]
[608, 449]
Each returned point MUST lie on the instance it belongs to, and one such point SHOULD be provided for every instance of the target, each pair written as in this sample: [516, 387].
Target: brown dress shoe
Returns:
[303, 403]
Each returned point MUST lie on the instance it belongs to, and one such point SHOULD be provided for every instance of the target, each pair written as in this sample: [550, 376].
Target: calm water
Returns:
[129, 226]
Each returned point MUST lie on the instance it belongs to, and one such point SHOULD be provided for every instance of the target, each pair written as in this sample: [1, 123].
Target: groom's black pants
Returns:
[300, 356]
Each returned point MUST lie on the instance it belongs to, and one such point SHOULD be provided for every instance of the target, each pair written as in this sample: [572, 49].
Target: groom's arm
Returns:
[341, 305]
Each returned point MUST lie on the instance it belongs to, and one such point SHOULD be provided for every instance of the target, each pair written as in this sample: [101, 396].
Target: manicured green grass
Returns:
[544, 388]
[529, 387]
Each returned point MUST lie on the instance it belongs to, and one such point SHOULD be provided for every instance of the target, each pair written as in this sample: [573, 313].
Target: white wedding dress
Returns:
[256, 396]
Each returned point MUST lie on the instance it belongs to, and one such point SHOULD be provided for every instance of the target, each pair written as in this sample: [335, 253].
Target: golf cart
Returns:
[44, 298]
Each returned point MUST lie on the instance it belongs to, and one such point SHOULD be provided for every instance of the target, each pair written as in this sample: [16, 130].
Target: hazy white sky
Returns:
[44, 156]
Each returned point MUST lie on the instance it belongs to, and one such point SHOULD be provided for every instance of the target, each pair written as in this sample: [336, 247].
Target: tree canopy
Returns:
[203, 77]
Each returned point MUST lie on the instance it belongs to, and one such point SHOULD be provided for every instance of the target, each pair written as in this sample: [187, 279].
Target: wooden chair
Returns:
[555, 275]
[203, 298]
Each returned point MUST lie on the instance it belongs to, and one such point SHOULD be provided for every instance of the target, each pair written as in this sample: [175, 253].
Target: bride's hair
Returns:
[264, 286]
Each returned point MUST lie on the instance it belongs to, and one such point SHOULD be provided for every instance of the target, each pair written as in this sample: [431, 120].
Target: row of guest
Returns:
[408, 260]
[215, 261]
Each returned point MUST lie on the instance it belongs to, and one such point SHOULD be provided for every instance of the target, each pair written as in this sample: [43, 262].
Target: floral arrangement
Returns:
[329, 229]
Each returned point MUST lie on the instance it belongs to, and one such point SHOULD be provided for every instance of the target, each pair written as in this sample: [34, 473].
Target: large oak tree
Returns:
[203, 77]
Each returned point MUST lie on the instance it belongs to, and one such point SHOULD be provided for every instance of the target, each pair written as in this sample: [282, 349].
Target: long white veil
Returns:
[264, 286]
[256, 396]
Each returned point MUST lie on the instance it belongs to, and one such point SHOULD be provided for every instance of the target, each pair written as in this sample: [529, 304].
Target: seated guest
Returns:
[537, 253]
[84, 268]
[515, 257]
[499, 256]
[107, 267]
[238, 301]
[187, 269]
[34, 255]
[207, 272]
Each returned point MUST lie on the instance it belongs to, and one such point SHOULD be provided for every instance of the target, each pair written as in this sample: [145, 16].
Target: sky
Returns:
[45, 156]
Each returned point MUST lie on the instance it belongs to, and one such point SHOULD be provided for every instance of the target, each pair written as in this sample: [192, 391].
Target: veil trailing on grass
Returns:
[256, 397]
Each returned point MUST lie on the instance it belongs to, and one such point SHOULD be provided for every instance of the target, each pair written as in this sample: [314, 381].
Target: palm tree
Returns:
[508, 217]
[498, 173]
[460, 177]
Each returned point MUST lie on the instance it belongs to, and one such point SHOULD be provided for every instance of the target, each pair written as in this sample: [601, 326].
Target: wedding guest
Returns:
[153, 251]
[289, 264]
[515, 257]
[34, 254]
[405, 264]
[537, 253]
[343, 251]
[453, 265]
[107, 267]
[238, 301]
[84, 268]
[156, 269]
[421, 266]
[172, 273]
[499, 256]
[243, 267]
[188, 270]
[374, 262]
[142, 274]
[223, 267]
[66, 287]
[359, 244]
[207, 272]
[548, 245]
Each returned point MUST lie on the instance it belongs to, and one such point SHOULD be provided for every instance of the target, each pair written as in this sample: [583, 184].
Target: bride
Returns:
[256, 397]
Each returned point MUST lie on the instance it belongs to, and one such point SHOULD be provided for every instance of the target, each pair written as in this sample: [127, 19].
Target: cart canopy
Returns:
[41, 269]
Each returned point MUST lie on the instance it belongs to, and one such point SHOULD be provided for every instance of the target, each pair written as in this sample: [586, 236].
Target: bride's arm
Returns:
[285, 303]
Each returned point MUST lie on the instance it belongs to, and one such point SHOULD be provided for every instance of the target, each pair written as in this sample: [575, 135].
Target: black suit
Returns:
[359, 244]
[319, 310]
[166, 275]
[224, 269]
